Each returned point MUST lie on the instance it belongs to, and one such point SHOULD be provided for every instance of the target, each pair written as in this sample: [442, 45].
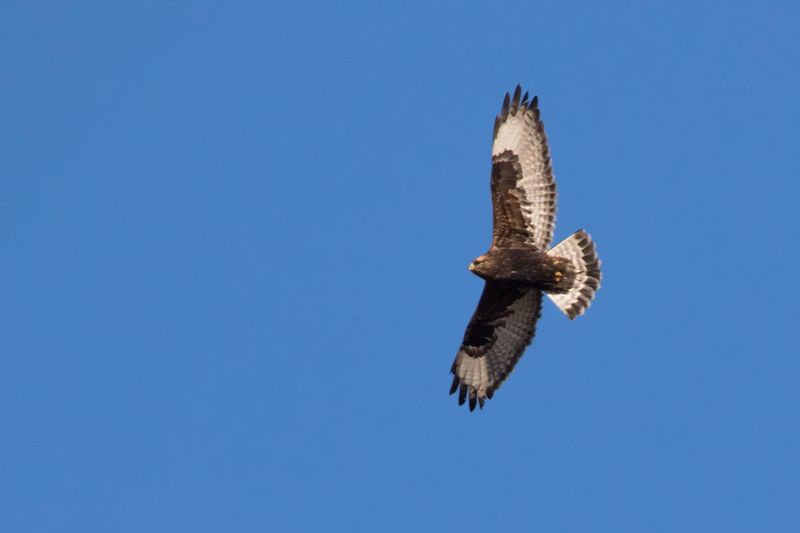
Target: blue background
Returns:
[233, 267]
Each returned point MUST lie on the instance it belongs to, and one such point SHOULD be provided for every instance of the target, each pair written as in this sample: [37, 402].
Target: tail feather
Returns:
[579, 249]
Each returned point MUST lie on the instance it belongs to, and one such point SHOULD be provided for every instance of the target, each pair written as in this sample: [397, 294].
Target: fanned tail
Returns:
[579, 250]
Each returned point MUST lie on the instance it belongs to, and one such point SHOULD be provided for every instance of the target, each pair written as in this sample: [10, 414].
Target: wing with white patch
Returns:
[498, 333]
[523, 187]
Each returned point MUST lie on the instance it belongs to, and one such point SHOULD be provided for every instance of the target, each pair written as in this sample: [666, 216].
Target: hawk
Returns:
[519, 269]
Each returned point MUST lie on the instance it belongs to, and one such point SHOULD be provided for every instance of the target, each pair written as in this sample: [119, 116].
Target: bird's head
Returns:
[478, 265]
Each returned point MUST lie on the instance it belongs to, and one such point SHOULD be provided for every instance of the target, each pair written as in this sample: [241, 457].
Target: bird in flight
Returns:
[519, 268]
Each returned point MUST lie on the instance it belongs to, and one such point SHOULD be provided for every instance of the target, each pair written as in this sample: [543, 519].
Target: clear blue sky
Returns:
[235, 239]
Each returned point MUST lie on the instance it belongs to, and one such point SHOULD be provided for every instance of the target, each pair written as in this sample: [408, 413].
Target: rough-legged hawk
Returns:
[518, 267]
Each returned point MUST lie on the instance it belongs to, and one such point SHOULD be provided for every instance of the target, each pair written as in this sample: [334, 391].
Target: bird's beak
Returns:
[471, 267]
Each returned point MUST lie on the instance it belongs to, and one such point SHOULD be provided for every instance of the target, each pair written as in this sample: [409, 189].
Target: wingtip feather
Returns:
[506, 105]
[454, 386]
[515, 100]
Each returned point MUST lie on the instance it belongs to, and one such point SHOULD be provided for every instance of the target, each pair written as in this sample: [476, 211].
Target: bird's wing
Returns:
[500, 329]
[523, 187]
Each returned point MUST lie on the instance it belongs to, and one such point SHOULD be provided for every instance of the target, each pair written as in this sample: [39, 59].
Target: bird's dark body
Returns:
[526, 267]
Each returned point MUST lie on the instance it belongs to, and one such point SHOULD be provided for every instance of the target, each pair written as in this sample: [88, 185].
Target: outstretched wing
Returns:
[523, 187]
[500, 329]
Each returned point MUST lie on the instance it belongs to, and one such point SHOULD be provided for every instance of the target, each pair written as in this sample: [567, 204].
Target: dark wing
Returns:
[500, 329]
[523, 187]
